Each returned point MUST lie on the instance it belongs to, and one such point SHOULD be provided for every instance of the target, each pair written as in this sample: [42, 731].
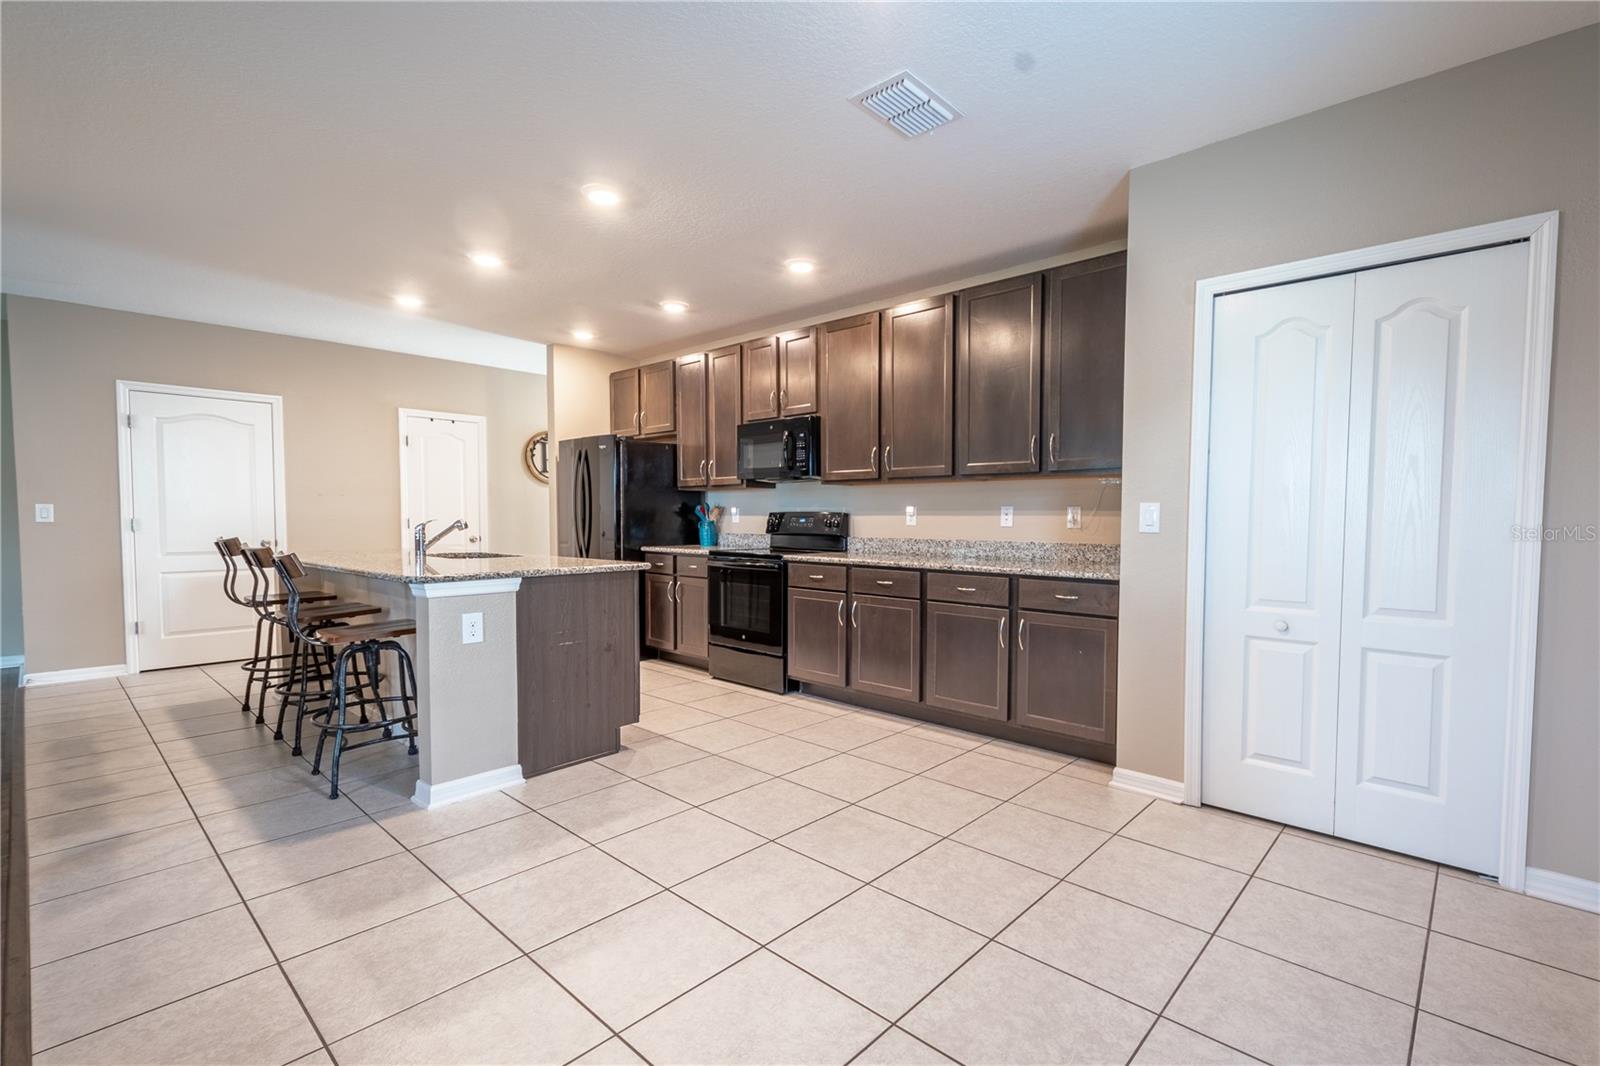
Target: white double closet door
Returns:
[1363, 477]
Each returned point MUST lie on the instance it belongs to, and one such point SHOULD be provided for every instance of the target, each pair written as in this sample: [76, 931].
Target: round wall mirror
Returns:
[536, 456]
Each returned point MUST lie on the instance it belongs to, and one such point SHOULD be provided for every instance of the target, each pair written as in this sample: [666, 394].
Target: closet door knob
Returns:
[1281, 626]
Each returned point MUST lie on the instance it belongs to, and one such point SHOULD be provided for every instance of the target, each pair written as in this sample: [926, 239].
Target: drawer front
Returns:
[988, 590]
[660, 563]
[1071, 597]
[692, 565]
[869, 581]
[816, 576]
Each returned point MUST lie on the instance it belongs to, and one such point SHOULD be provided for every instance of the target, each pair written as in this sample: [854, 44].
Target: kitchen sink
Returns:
[469, 555]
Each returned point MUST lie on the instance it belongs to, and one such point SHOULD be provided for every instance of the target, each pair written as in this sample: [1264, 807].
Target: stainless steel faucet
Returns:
[421, 542]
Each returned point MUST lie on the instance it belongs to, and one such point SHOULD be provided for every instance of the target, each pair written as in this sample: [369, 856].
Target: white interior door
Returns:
[1425, 656]
[442, 460]
[1275, 514]
[201, 467]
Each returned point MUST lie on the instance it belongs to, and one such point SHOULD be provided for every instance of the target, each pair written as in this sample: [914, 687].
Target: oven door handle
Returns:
[719, 564]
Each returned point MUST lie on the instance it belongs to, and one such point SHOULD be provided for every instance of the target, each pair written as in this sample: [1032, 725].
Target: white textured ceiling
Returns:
[289, 166]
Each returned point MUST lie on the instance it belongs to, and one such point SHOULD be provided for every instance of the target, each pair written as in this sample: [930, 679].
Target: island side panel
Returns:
[467, 693]
[577, 666]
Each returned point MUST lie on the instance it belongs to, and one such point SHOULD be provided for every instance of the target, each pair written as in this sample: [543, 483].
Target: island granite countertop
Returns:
[397, 566]
[1083, 562]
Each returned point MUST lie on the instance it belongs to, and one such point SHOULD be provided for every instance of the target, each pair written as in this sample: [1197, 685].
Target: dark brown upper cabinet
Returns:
[817, 640]
[1083, 364]
[797, 372]
[625, 403]
[966, 664]
[656, 399]
[722, 416]
[1066, 667]
[693, 457]
[886, 646]
[998, 355]
[917, 369]
[847, 361]
[760, 379]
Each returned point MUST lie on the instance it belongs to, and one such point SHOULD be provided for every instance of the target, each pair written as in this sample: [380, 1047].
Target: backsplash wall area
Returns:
[968, 510]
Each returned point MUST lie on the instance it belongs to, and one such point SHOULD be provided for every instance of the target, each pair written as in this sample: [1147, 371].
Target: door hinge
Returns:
[136, 629]
[133, 525]
[128, 419]
[408, 440]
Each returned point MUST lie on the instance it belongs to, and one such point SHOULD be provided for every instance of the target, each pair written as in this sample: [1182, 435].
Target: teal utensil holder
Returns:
[708, 534]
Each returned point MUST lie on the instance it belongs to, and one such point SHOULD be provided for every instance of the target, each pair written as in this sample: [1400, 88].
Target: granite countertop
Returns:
[397, 566]
[1089, 562]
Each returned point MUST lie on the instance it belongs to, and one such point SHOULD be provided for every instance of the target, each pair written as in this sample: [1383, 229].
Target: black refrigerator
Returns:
[615, 495]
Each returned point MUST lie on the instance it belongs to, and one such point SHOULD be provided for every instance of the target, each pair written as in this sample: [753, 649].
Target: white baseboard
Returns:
[7, 662]
[1147, 784]
[1563, 888]
[82, 673]
[445, 792]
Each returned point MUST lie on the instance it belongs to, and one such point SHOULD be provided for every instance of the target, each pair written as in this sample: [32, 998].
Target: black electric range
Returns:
[748, 596]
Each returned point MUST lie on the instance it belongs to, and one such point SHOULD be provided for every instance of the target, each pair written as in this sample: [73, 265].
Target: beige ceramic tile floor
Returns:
[751, 879]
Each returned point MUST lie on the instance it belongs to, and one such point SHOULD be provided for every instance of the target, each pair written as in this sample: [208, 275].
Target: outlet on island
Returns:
[472, 628]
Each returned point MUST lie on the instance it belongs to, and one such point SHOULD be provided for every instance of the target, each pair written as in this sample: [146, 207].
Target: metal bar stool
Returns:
[368, 640]
[305, 665]
[264, 665]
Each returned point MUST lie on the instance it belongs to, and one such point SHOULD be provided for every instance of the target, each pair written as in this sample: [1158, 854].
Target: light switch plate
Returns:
[44, 512]
[733, 515]
[1149, 518]
[1005, 515]
[472, 628]
[1074, 517]
[911, 515]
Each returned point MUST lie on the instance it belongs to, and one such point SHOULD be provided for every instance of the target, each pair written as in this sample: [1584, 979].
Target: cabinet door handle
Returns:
[874, 458]
[1001, 629]
[783, 397]
[713, 470]
[1053, 458]
[1033, 448]
[772, 399]
[1021, 624]
[638, 421]
[965, 588]
[853, 623]
[885, 584]
[888, 458]
[841, 611]
[1064, 596]
[702, 470]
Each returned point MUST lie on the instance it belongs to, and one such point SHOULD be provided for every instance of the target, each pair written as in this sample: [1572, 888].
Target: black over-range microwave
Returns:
[784, 449]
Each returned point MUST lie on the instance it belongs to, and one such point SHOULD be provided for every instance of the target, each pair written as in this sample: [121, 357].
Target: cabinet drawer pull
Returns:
[1053, 458]
[1002, 631]
[1021, 624]
[853, 623]
[1033, 448]
[772, 399]
[817, 577]
[1064, 596]
[874, 458]
[886, 584]
[841, 612]
[966, 588]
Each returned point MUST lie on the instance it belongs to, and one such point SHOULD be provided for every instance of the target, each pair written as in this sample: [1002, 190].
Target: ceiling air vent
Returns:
[907, 105]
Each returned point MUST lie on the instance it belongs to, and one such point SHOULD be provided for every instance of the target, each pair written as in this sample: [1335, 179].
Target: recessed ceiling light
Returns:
[602, 195]
[674, 307]
[799, 266]
[584, 335]
[408, 300]
[487, 260]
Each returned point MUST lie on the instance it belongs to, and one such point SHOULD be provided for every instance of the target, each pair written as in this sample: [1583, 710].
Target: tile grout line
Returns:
[1422, 970]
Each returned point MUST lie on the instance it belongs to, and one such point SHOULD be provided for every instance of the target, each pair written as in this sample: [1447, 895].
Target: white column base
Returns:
[441, 793]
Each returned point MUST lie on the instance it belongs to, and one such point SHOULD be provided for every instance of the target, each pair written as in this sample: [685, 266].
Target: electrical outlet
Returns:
[472, 628]
[733, 515]
[1149, 518]
[1074, 517]
[1005, 515]
[44, 512]
[911, 515]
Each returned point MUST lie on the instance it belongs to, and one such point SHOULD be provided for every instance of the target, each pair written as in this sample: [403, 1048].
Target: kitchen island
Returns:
[524, 662]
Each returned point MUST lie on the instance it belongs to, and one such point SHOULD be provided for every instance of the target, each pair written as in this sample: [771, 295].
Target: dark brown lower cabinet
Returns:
[692, 617]
[886, 646]
[817, 636]
[1067, 675]
[966, 662]
[660, 612]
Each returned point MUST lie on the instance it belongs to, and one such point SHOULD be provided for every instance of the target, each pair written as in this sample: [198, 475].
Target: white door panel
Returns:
[202, 467]
[1280, 407]
[443, 470]
[1436, 402]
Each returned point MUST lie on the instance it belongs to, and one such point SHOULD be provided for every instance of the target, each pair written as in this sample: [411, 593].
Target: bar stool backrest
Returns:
[291, 573]
[230, 550]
